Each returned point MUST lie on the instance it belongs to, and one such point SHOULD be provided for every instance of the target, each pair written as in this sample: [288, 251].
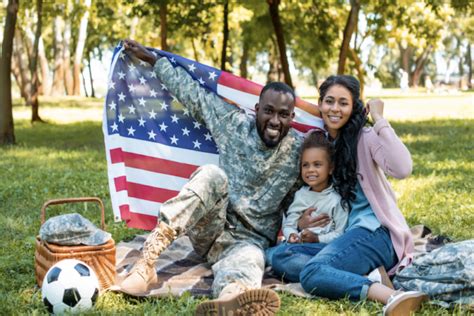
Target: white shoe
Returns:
[404, 303]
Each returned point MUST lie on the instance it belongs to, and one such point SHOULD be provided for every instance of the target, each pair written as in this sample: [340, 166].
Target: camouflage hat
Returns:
[72, 229]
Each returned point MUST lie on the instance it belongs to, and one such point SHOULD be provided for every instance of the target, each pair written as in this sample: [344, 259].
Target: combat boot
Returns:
[234, 300]
[143, 273]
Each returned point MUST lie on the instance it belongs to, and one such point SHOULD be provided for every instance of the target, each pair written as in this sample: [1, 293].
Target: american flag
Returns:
[152, 143]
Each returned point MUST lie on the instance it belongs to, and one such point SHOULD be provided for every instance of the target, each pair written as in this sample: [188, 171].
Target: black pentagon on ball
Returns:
[82, 269]
[94, 297]
[71, 297]
[53, 275]
[49, 306]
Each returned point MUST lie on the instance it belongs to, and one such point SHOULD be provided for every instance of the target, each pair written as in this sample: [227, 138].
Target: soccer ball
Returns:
[69, 286]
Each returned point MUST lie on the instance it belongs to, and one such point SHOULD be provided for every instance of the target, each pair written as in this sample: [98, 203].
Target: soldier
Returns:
[231, 213]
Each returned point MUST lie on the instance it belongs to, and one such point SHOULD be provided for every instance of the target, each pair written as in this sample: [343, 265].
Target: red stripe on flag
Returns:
[303, 127]
[144, 192]
[120, 183]
[153, 164]
[137, 220]
[247, 86]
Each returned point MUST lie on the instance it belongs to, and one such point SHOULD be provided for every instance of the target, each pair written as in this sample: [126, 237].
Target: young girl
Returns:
[377, 233]
[316, 166]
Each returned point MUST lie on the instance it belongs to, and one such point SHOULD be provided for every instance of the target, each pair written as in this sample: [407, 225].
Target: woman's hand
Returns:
[139, 51]
[375, 108]
[309, 236]
[307, 221]
[294, 238]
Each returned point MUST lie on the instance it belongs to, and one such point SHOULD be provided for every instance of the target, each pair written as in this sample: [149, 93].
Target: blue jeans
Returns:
[335, 270]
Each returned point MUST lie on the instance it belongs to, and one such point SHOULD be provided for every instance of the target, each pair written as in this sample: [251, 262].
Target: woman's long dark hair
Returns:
[345, 160]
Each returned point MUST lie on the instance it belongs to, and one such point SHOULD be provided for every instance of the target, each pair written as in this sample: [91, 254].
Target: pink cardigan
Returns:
[379, 150]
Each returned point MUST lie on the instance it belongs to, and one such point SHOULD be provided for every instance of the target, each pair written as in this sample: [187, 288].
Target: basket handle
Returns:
[74, 200]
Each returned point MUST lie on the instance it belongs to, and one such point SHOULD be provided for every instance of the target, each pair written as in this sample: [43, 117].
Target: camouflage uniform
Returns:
[231, 213]
[445, 274]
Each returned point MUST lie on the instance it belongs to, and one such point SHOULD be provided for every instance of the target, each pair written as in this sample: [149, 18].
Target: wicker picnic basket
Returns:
[100, 258]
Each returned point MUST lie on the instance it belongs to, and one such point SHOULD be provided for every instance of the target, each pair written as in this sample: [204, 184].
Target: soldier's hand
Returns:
[309, 236]
[139, 51]
[307, 220]
[294, 238]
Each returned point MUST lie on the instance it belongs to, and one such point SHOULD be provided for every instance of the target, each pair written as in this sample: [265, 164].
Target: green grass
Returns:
[66, 158]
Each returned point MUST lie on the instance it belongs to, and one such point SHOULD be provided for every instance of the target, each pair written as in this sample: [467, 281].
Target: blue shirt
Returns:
[361, 214]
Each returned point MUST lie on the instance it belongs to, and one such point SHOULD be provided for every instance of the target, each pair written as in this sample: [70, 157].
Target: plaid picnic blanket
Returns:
[181, 270]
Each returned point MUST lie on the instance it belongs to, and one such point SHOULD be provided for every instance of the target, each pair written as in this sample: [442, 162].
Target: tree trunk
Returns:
[469, 65]
[274, 14]
[348, 31]
[225, 33]
[7, 133]
[21, 65]
[90, 75]
[164, 25]
[34, 65]
[58, 71]
[68, 81]
[45, 84]
[81, 41]
[405, 54]
[133, 27]
[274, 64]
[244, 60]
[419, 67]
[360, 70]
[195, 51]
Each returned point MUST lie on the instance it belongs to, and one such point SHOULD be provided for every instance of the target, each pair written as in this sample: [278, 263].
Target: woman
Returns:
[377, 233]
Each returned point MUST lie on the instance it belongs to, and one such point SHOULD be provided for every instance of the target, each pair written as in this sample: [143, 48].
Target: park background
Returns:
[415, 55]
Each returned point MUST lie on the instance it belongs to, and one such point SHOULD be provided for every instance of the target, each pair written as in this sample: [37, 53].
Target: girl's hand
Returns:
[139, 51]
[307, 220]
[294, 238]
[308, 236]
[375, 108]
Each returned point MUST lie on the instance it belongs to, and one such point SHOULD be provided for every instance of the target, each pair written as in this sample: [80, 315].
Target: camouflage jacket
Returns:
[259, 177]
[445, 274]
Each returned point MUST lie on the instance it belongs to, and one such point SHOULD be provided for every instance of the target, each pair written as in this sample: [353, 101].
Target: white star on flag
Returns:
[114, 127]
[163, 87]
[121, 75]
[121, 96]
[185, 131]
[131, 130]
[163, 127]
[197, 124]
[143, 63]
[173, 60]
[131, 88]
[174, 118]
[142, 101]
[112, 85]
[186, 111]
[112, 105]
[121, 118]
[212, 75]
[192, 68]
[174, 140]
[152, 114]
[141, 122]
[208, 136]
[201, 81]
[164, 106]
[142, 80]
[152, 93]
[131, 109]
[151, 135]
[152, 74]
[197, 144]
[131, 67]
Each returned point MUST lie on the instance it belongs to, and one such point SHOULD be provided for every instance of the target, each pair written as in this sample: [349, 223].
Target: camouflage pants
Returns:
[199, 211]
